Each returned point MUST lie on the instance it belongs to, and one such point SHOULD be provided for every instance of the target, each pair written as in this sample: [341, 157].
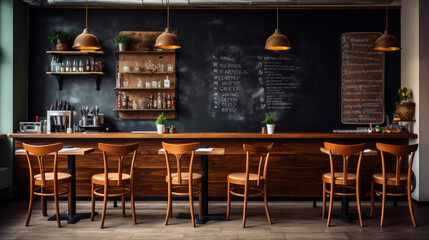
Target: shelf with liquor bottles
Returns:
[145, 83]
[75, 63]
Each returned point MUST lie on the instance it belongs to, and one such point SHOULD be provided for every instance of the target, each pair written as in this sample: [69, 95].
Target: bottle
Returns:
[150, 67]
[63, 66]
[81, 65]
[155, 106]
[125, 83]
[160, 65]
[164, 102]
[92, 64]
[170, 67]
[169, 102]
[154, 84]
[126, 68]
[87, 66]
[119, 102]
[58, 65]
[140, 83]
[159, 84]
[140, 104]
[167, 83]
[159, 101]
[74, 68]
[148, 106]
[173, 103]
[53, 64]
[137, 68]
[124, 101]
[68, 65]
[135, 105]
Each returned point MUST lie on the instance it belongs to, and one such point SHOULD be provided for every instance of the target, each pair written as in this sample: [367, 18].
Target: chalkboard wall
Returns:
[221, 48]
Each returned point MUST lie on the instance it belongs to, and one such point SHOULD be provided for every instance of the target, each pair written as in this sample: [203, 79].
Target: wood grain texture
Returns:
[296, 164]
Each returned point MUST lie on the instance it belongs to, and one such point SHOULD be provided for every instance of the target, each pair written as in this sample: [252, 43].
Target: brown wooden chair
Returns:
[397, 180]
[47, 183]
[342, 179]
[255, 182]
[113, 184]
[181, 183]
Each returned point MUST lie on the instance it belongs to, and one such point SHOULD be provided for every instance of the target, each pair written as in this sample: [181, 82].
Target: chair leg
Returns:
[383, 205]
[133, 206]
[200, 201]
[324, 201]
[245, 207]
[372, 199]
[123, 203]
[43, 203]
[410, 205]
[266, 203]
[57, 208]
[30, 206]
[168, 205]
[92, 201]
[191, 203]
[70, 200]
[358, 203]
[228, 201]
[104, 205]
[331, 201]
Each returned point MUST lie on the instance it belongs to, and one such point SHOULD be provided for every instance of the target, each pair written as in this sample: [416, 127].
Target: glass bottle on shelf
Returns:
[147, 83]
[140, 83]
[164, 101]
[53, 64]
[170, 67]
[88, 65]
[149, 66]
[169, 101]
[154, 83]
[167, 83]
[74, 68]
[68, 65]
[63, 66]
[81, 65]
[58, 65]
[160, 65]
[159, 101]
[159, 84]
[140, 104]
[125, 83]
[124, 101]
[137, 67]
[135, 105]
[126, 68]
[119, 102]
[155, 106]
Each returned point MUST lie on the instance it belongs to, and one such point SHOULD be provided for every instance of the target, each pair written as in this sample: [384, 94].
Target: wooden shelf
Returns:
[133, 88]
[140, 52]
[76, 52]
[147, 73]
[76, 73]
[59, 75]
[142, 110]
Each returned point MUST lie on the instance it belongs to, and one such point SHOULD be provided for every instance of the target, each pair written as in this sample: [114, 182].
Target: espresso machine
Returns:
[61, 121]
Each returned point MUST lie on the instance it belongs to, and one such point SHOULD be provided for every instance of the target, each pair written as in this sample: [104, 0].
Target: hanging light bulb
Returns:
[277, 41]
[167, 40]
[387, 42]
[86, 40]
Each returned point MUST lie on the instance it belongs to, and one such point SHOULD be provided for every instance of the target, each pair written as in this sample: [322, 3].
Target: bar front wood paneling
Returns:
[295, 170]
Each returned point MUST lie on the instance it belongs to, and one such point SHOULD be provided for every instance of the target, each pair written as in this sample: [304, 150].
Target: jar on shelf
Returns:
[140, 83]
[126, 68]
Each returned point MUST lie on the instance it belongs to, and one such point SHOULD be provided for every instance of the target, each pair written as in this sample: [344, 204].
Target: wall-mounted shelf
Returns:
[148, 73]
[132, 88]
[140, 110]
[58, 76]
[76, 52]
[140, 52]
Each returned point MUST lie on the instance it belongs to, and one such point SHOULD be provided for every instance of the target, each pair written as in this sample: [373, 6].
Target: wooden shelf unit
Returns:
[59, 75]
[142, 56]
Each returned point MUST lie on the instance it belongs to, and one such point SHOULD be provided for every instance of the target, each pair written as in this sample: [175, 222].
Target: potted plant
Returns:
[406, 107]
[270, 120]
[61, 39]
[122, 41]
[160, 123]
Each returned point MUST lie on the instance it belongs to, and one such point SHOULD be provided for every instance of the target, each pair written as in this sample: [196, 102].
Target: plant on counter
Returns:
[61, 39]
[160, 123]
[270, 120]
[122, 41]
[406, 107]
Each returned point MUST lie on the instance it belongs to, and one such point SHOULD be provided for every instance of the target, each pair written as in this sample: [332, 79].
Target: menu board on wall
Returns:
[362, 79]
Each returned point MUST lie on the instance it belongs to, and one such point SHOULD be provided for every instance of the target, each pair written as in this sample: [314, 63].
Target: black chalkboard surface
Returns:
[226, 80]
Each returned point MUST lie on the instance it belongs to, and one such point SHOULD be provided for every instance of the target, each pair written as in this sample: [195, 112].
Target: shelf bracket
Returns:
[60, 82]
[97, 82]
[117, 115]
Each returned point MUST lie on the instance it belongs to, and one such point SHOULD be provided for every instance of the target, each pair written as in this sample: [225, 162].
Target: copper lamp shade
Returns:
[387, 43]
[167, 40]
[86, 41]
[277, 41]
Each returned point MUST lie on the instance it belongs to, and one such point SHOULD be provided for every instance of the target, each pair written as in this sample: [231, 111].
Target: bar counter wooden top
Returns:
[211, 135]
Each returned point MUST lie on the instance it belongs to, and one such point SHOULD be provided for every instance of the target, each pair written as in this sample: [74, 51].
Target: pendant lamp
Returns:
[277, 41]
[167, 40]
[387, 42]
[86, 40]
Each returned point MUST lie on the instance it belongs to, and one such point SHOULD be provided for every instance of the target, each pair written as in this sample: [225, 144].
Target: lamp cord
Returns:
[277, 14]
[168, 13]
[86, 15]
[387, 17]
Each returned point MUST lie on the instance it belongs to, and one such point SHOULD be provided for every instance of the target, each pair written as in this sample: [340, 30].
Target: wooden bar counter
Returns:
[295, 170]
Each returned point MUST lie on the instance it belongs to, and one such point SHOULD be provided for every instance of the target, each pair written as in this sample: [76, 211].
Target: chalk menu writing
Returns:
[275, 76]
[362, 79]
[227, 73]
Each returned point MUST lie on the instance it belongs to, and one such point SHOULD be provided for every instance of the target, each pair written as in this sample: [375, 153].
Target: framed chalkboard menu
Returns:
[362, 79]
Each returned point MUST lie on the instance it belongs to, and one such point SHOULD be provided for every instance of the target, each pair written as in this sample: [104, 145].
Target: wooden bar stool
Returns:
[181, 183]
[342, 179]
[397, 180]
[47, 182]
[255, 182]
[113, 184]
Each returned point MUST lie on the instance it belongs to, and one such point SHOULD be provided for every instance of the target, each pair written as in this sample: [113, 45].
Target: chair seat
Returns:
[391, 178]
[112, 177]
[196, 178]
[339, 178]
[49, 177]
[240, 178]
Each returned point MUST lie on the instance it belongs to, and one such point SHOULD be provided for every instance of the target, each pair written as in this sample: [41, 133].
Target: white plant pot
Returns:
[270, 128]
[160, 128]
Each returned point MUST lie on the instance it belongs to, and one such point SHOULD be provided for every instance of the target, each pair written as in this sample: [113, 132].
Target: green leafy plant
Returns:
[270, 119]
[121, 38]
[161, 119]
[61, 35]
[404, 95]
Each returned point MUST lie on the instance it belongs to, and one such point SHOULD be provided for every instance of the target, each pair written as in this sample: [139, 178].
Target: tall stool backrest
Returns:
[41, 151]
[346, 151]
[120, 151]
[263, 151]
[178, 150]
[400, 152]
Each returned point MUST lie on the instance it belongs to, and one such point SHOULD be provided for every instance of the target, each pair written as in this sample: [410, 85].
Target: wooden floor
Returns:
[291, 220]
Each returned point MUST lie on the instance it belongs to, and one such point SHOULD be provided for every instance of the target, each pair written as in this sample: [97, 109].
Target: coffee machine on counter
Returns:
[92, 120]
[61, 121]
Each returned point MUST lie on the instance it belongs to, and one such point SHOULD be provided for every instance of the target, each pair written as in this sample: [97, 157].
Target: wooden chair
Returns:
[113, 184]
[47, 183]
[181, 183]
[342, 179]
[256, 182]
[397, 180]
